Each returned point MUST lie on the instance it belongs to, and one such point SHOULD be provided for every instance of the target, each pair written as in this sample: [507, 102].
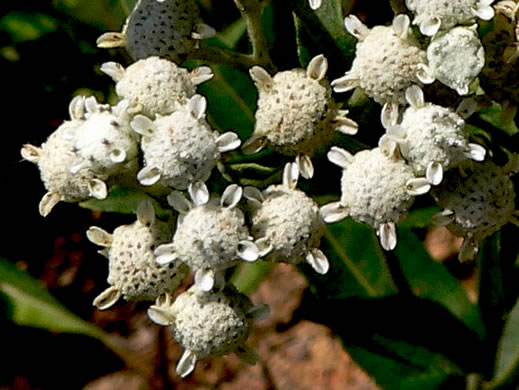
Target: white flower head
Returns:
[387, 61]
[155, 85]
[133, 273]
[287, 223]
[211, 235]
[378, 188]
[169, 29]
[209, 324]
[180, 148]
[432, 138]
[434, 15]
[456, 58]
[296, 114]
[54, 159]
[104, 142]
[477, 200]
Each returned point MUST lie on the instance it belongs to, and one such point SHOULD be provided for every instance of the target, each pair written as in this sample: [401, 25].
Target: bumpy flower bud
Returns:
[133, 273]
[180, 148]
[476, 203]
[433, 15]
[155, 85]
[432, 138]
[209, 324]
[164, 28]
[287, 223]
[387, 61]
[296, 114]
[378, 188]
[55, 158]
[211, 236]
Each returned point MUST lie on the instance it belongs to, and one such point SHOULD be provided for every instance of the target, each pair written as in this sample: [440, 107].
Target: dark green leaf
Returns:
[507, 367]
[27, 27]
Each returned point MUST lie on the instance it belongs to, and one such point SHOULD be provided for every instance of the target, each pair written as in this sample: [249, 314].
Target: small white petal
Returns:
[107, 298]
[178, 201]
[443, 218]
[290, 175]
[355, 27]
[397, 133]
[31, 153]
[418, 186]
[197, 105]
[305, 165]
[314, 4]
[345, 125]
[345, 83]
[476, 152]
[228, 141]
[261, 78]
[161, 315]
[318, 261]
[231, 196]
[253, 194]
[97, 189]
[317, 68]
[400, 25]
[199, 193]
[483, 11]
[165, 254]
[466, 108]
[248, 251]
[387, 236]
[425, 74]
[389, 114]
[414, 96]
[203, 31]
[339, 157]
[149, 175]
[204, 279]
[430, 26]
[114, 70]
[76, 107]
[118, 155]
[186, 364]
[146, 212]
[264, 246]
[434, 173]
[47, 203]
[388, 146]
[201, 74]
[99, 236]
[333, 212]
[111, 39]
[142, 125]
[254, 144]
[468, 250]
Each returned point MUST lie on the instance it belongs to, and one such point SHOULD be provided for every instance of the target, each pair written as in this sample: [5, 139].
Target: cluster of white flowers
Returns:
[158, 135]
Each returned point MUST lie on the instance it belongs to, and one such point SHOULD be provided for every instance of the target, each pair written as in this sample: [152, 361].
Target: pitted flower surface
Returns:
[164, 28]
[387, 61]
[55, 158]
[104, 142]
[155, 85]
[378, 188]
[180, 148]
[287, 224]
[476, 203]
[210, 236]
[432, 138]
[209, 324]
[133, 273]
[433, 15]
[296, 114]
[456, 57]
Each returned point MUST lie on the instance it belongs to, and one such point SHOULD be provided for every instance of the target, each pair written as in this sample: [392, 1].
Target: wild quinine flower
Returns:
[378, 188]
[456, 57]
[387, 61]
[287, 224]
[477, 202]
[296, 114]
[433, 138]
[210, 236]
[209, 324]
[433, 15]
[155, 85]
[133, 273]
[164, 28]
[104, 141]
[54, 159]
[180, 148]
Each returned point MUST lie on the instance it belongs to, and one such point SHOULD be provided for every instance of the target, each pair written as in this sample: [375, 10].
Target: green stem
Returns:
[397, 274]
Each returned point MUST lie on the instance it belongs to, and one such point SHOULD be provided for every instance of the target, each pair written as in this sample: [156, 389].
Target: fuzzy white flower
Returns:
[432, 138]
[387, 61]
[287, 223]
[209, 324]
[296, 114]
[210, 236]
[133, 273]
[477, 200]
[378, 188]
[180, 148]
[155, 85]
[456, 57]
[433, 15]
[164, 28]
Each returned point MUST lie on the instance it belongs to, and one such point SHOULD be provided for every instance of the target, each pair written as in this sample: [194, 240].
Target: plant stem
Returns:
[220, 56]
[396, 273]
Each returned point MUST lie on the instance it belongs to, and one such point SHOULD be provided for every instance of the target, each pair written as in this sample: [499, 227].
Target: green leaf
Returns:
[431, 280]
[507, 367]
[27, 27]
[421, 217]
[125, 201]
[357, 266]
[30, 304]
[497, 117]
